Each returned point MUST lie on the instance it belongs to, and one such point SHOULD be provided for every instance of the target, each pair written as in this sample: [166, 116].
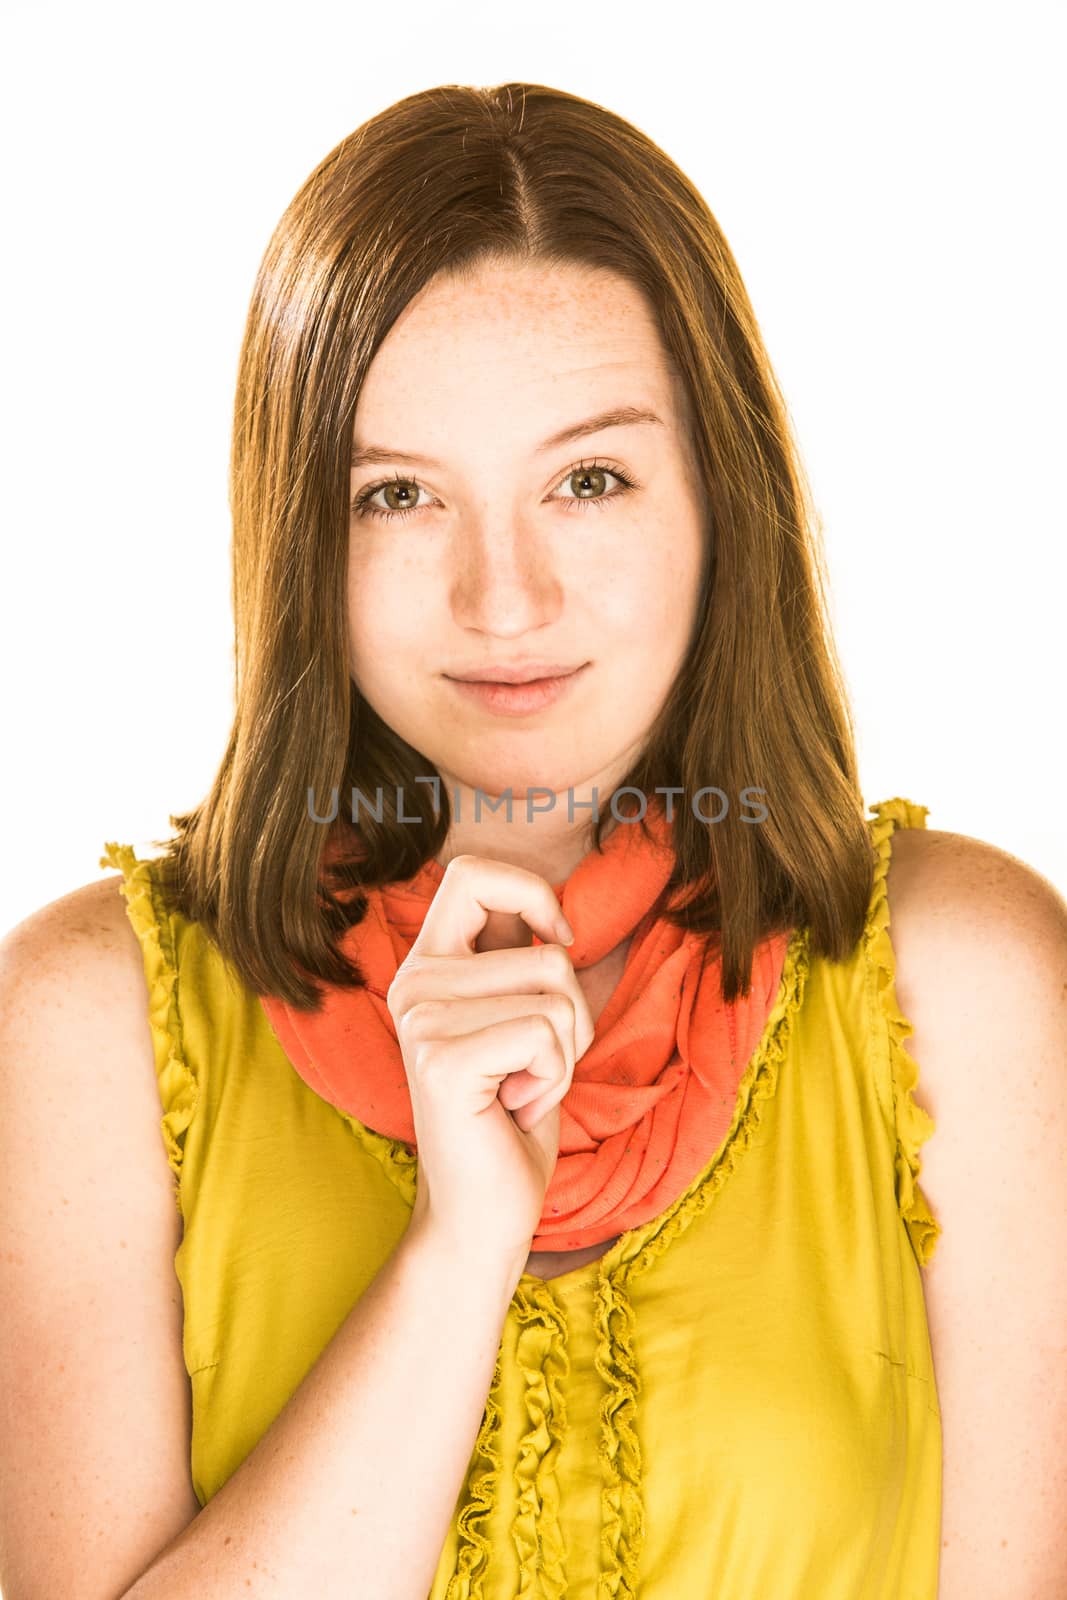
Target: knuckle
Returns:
[428, 1058]
[459, 865]
[396, 995]
[422, 1015]
[556, 962]
[546, 1028]
[561, 1007]
[402, 994]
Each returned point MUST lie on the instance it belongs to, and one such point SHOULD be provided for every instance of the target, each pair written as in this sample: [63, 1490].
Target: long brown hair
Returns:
[440, 181]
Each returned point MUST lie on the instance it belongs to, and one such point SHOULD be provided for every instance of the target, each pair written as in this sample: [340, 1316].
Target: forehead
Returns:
[515, 346]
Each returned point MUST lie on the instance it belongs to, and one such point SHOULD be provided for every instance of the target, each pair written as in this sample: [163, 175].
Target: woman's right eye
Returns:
[392, 487]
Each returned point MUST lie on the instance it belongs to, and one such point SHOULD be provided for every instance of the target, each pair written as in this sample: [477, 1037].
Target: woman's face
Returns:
[496, 544]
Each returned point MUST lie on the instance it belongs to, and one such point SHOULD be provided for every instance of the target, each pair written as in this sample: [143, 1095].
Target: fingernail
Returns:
[566, 932]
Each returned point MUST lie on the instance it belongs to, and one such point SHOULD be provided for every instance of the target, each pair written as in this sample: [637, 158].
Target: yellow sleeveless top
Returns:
[736, 1400]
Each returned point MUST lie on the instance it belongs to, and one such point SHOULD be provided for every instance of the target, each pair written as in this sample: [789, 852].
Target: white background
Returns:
[888, 181]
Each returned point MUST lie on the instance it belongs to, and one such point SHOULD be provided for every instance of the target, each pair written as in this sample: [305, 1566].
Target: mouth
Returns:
[518, 697]
[518, 672]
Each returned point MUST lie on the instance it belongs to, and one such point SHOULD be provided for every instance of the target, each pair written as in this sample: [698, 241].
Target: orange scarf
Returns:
[653, 1096]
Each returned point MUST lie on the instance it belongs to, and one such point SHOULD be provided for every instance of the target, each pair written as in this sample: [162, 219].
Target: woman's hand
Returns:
[489, 1041]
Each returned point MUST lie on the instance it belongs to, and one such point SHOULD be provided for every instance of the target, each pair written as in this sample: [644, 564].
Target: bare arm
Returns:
[94, 1396]
[96, 1498]
[353, 1487]
[981, 946]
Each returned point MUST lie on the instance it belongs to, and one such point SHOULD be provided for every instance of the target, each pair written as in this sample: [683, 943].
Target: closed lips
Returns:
[530, 673]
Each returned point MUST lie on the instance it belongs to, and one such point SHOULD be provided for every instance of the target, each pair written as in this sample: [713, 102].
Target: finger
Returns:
[528, 1116]
[531, 970]
[447, 1017]
[473, 1066]
[472, 887]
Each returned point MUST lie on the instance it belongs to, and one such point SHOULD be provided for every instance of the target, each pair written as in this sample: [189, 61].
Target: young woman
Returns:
[520, 1000]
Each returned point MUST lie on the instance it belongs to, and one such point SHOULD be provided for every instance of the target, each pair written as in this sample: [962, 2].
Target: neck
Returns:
[546, 842]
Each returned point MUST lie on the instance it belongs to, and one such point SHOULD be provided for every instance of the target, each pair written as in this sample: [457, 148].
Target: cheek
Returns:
[382, 609]
[646, 594]
[671, 577]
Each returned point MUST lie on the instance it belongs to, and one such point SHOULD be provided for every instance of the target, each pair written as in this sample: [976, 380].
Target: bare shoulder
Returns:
[88, 924]
[73, 969]
[980, 947]
[980, 950]
[96, 1394]
[968, 919]
[947, 863]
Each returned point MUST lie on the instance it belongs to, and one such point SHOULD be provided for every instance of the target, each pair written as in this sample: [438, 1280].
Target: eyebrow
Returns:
[618, 417]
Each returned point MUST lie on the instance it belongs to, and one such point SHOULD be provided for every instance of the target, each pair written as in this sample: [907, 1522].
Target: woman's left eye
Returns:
[593, 476]
[586, 479]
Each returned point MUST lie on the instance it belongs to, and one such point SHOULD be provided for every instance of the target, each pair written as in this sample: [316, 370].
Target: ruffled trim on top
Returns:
[398, 1160]
[622, 1506]
[178, 1089]
[913, 1125]
[542, 1353]
[472, 1558]
[758, 1084]
[622, 1503]
[542, 1356]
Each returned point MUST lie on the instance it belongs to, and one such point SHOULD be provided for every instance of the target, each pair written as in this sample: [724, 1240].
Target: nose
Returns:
[505, 579]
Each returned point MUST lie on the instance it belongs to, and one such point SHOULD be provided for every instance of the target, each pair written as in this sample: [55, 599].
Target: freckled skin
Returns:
[493, 565]
[498, 561]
